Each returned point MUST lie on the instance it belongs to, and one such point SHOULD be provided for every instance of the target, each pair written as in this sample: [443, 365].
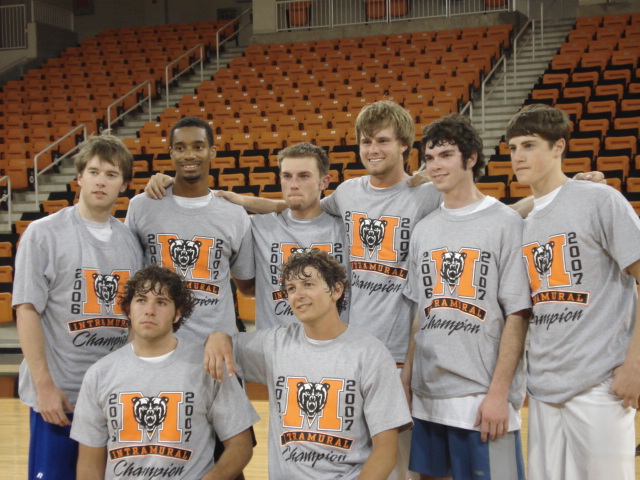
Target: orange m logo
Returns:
[103, 290]
[456, 269]
[167, 417]
[371, 235]
[192, 255]
[326, 393]
[547, 261]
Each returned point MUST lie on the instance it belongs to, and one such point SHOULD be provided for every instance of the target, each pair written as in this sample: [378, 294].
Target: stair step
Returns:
[527, 73]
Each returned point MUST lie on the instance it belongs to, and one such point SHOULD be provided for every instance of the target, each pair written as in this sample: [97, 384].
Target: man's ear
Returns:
[473, 159]
[337, 291]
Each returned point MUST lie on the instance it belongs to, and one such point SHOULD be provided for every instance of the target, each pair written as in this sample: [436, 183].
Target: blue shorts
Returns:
[442, 451]
[53, 455]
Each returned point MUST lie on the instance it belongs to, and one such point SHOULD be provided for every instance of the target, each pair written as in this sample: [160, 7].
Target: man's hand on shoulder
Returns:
[157, 186]
[231, 196]
[597, 177]
[418, 178]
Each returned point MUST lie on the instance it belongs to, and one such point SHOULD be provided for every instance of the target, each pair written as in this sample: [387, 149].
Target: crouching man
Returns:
[335, 398]
[149, 410]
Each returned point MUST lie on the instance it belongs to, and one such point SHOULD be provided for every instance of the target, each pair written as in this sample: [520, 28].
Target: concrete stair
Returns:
[186, 85]
[57, 182]
[532, 61]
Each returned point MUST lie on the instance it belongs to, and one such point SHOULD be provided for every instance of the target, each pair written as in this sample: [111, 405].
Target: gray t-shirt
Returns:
[576, 251]
[205, 246]
[158, 420]
[275, 238]
[466, 275]
[326, 400]
[72, 279]
[379, 222]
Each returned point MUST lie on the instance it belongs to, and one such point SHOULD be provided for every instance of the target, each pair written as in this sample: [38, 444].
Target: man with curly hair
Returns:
[465, 365]
[335, 398]
[149, 410]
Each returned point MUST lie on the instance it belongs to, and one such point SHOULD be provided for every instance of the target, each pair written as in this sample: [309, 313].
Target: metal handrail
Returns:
[468, 106]
[166, 69]
[131, 92]
[37, 173]
[18, 63]
[503, 59]
[515, 46]
[221, 29]
[64, 18]
[7, 198]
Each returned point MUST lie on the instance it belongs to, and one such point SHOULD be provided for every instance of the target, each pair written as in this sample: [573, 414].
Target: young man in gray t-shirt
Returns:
[149, 410]
[467, 278]
[304, 174]
[582, 253]
[202, 237]
[69, 269]
[335, 399]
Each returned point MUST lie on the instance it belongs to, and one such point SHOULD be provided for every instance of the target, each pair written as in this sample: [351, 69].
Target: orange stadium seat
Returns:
[494, 189]
[622, 139]
[6, 311]
[612, 161]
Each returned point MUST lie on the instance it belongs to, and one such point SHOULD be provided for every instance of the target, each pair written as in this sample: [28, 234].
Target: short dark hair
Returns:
[107, 148]
[192, 122]
[159, 280]
[304, 149]
[329, 269]
[455, 129]
[549, 123]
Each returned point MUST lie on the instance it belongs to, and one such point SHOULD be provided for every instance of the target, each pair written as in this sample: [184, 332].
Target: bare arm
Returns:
[218, 353]
[158, 183]
[52, 402]
[92, 463]
[253, 204]
[247, 287]
[626, 382]
[405, 376]
[493, 413]
[157, 186]
[238, 450]
[380, 463]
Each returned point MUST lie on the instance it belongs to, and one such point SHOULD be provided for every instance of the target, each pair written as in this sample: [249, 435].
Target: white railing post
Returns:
[166, 69]
[541, 23]
[7, 198]
[137, 104]
[36, 173]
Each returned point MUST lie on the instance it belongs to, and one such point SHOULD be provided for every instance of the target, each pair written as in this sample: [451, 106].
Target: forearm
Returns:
[632, 357]
[382, 459]
[32, 343]
[237, 453]
[510, 353]
[262, 205]
[408, 361]
[92, 463]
